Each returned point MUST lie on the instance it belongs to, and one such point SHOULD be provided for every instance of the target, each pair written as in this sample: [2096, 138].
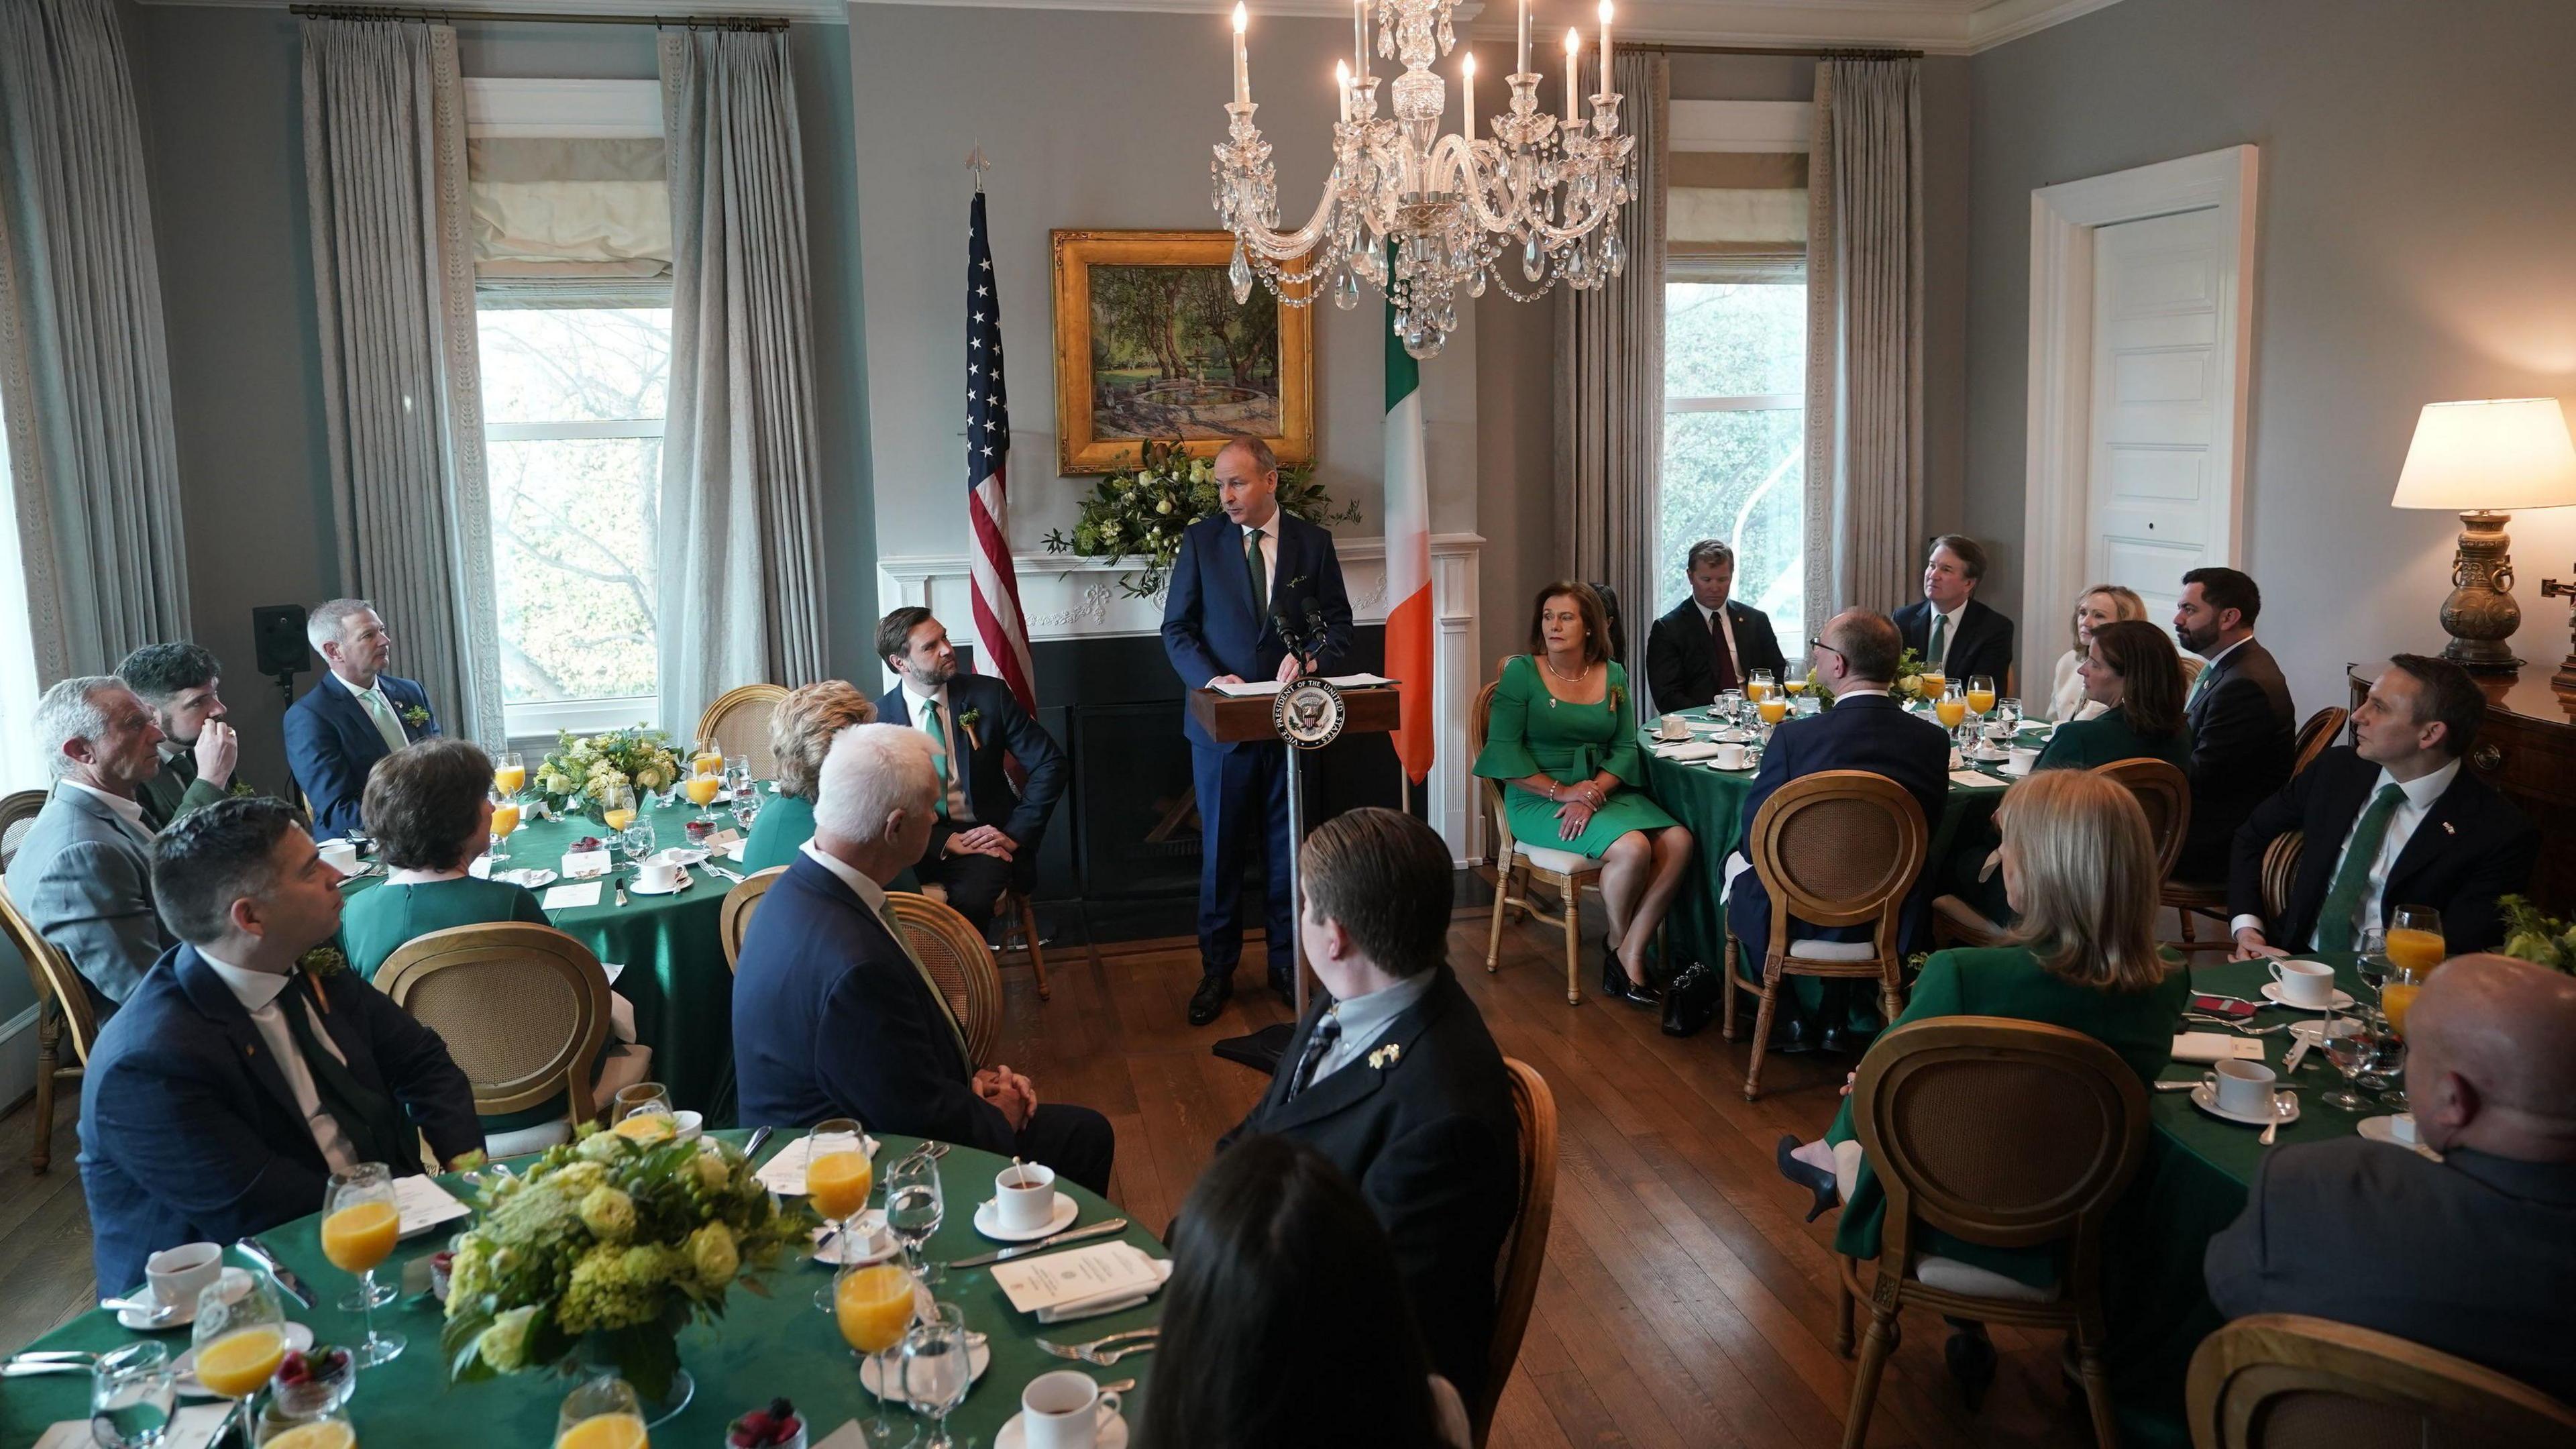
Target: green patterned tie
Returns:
[1252, 572]
[938, 750]
[381, 710]
[2352, 877]
[1934, 656]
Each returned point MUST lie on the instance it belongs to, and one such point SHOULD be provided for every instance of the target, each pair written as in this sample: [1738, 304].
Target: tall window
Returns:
[22, 765]
[573, 408]
[1735, 360]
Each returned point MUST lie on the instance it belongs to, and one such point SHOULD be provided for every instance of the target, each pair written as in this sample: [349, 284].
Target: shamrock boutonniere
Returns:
[322, 961]
[242, 790]
[967, 721]
[1298, 582]
[415, 716]
[1386, 1056]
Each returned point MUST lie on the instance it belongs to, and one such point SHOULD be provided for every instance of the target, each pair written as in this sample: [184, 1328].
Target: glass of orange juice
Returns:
[1981, 695]
[602, 1414]
[1935, 684]
[1950, 711]
[643, 1113]
[240, 1338]
[617, 807]
[874, 1307]
[1759, 686]
[709, 760]
[2415, 938]
[1795, 681]
[702, 791]
[509, 772]
[1772, 709]
[505, 818]
[360, 1222]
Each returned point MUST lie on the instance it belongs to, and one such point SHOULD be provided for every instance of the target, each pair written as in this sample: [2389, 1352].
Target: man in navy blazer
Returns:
[1953, 632]
[232, 1084]
[1864, 730]
[832, 1015]
[1239, 573]
[986, 834]
[353, 716]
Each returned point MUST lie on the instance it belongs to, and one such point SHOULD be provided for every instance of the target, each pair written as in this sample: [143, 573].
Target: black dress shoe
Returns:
[1210, 998]
[1835, 1040]
[1806, 1174]
[1285, 988]
[1793, 1040]
[1971, 1360]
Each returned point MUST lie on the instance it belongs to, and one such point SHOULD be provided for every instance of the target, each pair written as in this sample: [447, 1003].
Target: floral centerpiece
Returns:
[1142, 514]
[2532, 936]
[602, 1251]
[1906, 688]
[577, 772]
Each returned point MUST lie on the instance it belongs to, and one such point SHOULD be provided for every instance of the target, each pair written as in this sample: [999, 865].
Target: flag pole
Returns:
[977, 166]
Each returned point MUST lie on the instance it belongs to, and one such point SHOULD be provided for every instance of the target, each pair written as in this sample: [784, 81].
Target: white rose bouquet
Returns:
[578, 771]
[1142, 514]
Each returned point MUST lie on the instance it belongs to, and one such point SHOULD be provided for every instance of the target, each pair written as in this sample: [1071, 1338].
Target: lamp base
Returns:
[2564, 681]
[2480, 615]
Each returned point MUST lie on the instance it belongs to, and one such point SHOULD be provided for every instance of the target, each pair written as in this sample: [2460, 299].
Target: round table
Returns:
[763, 1348]
[675, 973]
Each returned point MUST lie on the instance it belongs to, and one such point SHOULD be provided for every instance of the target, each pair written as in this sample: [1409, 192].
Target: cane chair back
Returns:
[523, 1009]
[2316, 737]
[737, 722]
[2164, 793]
[2281, 872]
[18, 811]
[733, 918]
[2286, 1381]
[960, 965]
[1525, 1250]
[63, 1013]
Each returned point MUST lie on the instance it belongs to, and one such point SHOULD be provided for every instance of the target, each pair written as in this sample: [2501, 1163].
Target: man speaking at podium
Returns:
[1241, 575]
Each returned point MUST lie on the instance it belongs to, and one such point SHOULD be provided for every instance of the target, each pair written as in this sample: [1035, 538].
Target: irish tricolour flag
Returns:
[1408, 556]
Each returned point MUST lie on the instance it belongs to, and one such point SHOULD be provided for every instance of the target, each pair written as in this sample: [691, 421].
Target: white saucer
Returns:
[2272, 994]
[2205, 1098]
[979, 1357]
[638, 887]
[299, 1337]
[685, 855]
[186, 1312]
[988, 1221]
[533, 878]
[1113, 1435]
[2377, 1129]
[871, 1224]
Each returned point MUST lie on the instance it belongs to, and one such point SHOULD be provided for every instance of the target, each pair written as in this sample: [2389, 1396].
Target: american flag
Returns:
[988, 453]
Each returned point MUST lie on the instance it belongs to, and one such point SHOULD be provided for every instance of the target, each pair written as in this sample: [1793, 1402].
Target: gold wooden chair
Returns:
[2007, 1134]
[2316, 737]
[1525, 1250]
[1835, 848]
[523, 1009]
[2280, 872]
[2209, 898]
[959, 962]
[1019, 922]
[18, 811]
[738, 722]
[63, 1013]
[2287, 1381]
[733, 918]
[1518, 862]
[2161, 790]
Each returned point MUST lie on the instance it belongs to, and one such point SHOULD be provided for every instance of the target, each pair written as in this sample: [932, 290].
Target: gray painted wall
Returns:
[2415, 210]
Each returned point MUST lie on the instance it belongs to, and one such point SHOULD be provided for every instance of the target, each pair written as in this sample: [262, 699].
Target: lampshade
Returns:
[2505, 455]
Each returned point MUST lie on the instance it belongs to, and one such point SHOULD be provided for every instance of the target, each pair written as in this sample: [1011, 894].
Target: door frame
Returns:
[2058, 452]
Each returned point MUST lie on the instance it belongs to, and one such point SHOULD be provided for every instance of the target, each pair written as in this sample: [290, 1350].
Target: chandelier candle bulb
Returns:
[1524, 42]
[1242, 75]
[1605, 47]
[1573, 43]
[1342, 86]
[1467, 96]
[1359, 36]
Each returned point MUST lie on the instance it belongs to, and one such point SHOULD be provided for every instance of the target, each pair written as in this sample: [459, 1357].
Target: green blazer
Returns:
[2107, 738]
[176, 792]
[2008, 981]
[779, 833]
[378, 922]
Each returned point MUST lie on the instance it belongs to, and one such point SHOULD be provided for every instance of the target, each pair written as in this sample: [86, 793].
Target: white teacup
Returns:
[2401, 1128]
[1024, 1196]
[340, 855]
[178, 1275]
[1673, 727]
[2304, 983]
[1064, 1410]
[2020, 761]
[2243, 1088]
[1730, 756]
[656, 873]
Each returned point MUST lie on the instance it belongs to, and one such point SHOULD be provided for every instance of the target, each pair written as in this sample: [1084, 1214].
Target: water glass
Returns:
[938, 1368]
[746, 807]
[1730, 706]
[133, 1392]
[2370, 963]
[638, 839]
[2354, 1049]
[914, 1206]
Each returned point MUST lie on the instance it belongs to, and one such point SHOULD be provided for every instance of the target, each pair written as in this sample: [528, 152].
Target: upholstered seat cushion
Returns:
[1832, 950]
[1563, 862]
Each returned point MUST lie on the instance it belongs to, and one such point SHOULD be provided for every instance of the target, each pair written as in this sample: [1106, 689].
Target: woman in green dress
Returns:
[800, 735]
[1563, 733]
[2080, 867]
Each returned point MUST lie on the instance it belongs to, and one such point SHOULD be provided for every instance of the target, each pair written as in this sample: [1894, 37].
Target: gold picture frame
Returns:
[1143, 354]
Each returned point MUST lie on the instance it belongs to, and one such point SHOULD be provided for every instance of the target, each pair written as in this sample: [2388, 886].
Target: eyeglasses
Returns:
[1828, 648]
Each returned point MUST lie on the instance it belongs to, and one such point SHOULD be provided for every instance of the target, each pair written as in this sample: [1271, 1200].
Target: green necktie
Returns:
[381, 710]
[2352, 877]
[1252, 572]
[938, 750]
[1933, 657]
[947, 1013]
[373, 1123]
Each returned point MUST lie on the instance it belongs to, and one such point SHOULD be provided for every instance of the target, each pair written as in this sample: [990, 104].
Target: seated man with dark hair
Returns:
[1955, 634]
[1708, 643]
[2390, 820]
[179, 684]
[234, 1082]
[2474, 1254]
[2244, 731]
[1395, 1078]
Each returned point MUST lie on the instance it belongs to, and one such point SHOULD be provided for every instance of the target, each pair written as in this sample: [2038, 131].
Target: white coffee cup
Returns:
[1024, 1196]
[2401, 1128]
[656, 873]
[2304, 983]
[178, 1275]
[1730, 756]
[2244, 1088]
[340, 855]
[2019, 760]
[1064, 1410]
[1673, 727]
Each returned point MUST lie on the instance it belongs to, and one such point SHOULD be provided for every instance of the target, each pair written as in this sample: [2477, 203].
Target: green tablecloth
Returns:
[675, 968]
[2192, 1184]
[763, 1348]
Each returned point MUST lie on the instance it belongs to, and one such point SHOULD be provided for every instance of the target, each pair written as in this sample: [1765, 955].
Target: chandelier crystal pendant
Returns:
[1417, 214]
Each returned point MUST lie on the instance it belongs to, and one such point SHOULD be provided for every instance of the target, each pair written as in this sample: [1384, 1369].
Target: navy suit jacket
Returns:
[1002, 727]
[2470, 848]
[832, 1019]
[1209, 625]
[1861, 732]
[189, 1131]
[1984, 644]
[331, 744]
[2244, 742]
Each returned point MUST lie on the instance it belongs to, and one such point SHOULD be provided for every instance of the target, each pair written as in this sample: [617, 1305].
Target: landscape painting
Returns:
[1151, 345]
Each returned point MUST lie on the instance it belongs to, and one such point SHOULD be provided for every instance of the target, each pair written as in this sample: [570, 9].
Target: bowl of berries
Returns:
[312, 1383]
[775, 1427]
[587, 842]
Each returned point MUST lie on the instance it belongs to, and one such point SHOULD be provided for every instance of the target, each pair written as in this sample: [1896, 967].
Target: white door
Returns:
[2158, 482]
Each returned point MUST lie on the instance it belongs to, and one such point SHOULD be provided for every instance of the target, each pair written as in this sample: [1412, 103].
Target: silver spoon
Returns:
[150, 1311]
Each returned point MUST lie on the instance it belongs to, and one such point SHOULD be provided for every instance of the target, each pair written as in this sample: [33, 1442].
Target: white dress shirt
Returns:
[1365, 1018]
[952, 740]
[127, 809]
[258, 991]
[2420, 792]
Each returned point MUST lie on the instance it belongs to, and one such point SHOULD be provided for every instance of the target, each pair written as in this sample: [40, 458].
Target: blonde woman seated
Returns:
[429, 807]
[1564, 734]
[800, 735]
[2101, 604]
[2080, 868]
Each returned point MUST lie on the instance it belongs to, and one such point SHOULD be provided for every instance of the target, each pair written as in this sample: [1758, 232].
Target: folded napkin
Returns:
[1113, 1301]
[1688, 750]
[1081, 1282]
[1972, 780]
[2215, 1046]
[568, 897]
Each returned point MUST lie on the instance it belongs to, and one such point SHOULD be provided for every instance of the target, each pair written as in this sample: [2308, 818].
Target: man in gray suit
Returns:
[83, 873]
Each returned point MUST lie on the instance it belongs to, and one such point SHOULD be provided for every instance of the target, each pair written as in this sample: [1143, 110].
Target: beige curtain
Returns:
[741, 580]
[83, 359]
[393, 277]
[1864, 337]
[1610, 381]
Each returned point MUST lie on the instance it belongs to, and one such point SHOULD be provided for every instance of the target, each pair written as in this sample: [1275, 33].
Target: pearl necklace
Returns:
[1550, 666]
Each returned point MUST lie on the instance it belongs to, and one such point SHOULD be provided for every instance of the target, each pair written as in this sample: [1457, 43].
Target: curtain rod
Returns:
[448, 16]
[1842, 53]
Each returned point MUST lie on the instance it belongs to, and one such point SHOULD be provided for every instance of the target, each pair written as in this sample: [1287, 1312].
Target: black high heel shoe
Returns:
[1829, 1194]
[1615, 982]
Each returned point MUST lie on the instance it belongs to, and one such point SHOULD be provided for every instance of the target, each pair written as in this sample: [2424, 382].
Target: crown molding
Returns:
[805, 12]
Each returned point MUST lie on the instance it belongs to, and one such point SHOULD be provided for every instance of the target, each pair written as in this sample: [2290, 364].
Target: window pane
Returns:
[572, 545]
[1734, 339]
[575, 364]
[1741, 477]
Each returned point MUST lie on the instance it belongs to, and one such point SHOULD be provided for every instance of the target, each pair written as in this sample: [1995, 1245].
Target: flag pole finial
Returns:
[976, 163]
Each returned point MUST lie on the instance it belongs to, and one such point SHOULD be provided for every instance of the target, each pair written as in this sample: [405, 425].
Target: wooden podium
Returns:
[1237, 719]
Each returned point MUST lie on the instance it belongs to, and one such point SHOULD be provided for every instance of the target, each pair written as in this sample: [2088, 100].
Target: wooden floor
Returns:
[1683, 1304]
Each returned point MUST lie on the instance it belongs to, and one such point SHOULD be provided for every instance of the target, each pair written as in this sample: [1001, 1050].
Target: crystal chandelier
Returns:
[1418, 214]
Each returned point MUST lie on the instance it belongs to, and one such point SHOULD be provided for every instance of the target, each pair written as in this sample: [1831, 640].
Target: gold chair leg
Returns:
[49, 1035]
[1761, 1035]
[1037, 953]
[1891, 994]
[1875, 1345]
[1844, 1303]
[1503, 873]
[1728, 959]
[2097, 1388]
[1573, 943]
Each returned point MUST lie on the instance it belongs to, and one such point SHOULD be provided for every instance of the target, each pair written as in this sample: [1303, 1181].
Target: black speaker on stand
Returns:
[278, 629]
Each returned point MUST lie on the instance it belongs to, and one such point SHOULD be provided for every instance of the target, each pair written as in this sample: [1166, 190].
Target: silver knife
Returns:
[287, 1283]
[1114, 1225]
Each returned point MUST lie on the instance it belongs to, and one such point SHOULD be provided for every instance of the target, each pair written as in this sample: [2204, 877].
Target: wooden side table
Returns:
[2527, 750]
